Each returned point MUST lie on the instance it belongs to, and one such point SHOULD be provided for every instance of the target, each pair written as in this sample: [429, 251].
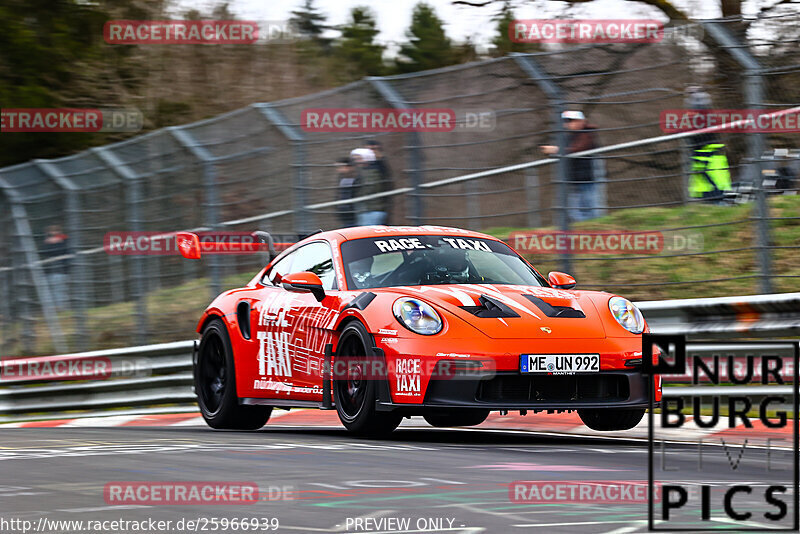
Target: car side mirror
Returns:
[188, 245]
[561, 280]
[305, 282]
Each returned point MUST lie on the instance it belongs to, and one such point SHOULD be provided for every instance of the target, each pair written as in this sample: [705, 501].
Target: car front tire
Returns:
[355, 394]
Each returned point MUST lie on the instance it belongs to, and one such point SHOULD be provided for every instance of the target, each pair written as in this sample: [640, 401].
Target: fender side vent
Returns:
[555, 311]
[361, 301]
[243, 318]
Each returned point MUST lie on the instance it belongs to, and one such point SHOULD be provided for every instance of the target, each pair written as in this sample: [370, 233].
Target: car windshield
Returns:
[411, 260]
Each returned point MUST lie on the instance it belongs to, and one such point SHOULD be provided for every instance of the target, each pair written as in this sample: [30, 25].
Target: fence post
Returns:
[116, 280]
[416, 207]
[303, 218]
[132, 190]
[78, 280]
[211, 194]
[686, 166]
[473, 204]
[555, 96]
[6, 325]
[22, 299]
[754, 97]
[533, 198]
[601, 179]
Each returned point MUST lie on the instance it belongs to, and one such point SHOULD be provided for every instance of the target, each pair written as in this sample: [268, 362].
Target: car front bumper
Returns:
[508, 390]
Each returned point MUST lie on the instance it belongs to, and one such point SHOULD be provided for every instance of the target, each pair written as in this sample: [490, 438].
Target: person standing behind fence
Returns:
[371, 211]
[582, 194]
[711, 176]
[384, 171]
[348, 188]
[56, 246]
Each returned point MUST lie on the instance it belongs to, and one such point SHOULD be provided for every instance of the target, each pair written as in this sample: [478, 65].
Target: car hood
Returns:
[513, 312]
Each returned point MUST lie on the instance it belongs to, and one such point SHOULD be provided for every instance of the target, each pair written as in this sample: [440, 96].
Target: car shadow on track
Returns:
[421, 436]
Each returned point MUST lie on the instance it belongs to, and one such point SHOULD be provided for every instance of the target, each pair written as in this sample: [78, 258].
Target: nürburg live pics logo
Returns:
[739, 412]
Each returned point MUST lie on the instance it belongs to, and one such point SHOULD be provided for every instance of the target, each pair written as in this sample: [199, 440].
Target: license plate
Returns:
[559, 363]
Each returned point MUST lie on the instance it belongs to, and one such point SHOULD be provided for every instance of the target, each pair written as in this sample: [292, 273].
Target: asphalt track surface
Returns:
[452, 480]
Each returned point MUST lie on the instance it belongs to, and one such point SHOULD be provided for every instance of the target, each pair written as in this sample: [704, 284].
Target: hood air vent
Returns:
[555, 311]
[490, 307]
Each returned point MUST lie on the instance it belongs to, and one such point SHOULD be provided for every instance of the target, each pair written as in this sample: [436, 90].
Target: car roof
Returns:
[360, 232]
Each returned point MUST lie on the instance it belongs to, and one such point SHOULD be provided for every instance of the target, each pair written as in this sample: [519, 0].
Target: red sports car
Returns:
[383, 322]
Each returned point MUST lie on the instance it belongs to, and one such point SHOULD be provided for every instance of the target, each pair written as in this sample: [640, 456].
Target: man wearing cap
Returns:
[348, 188]
[381, 166]
[582, 200]
[372, 211]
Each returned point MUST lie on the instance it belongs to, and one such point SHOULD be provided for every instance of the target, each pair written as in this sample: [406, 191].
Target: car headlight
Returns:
[417, 316]
[626, 314]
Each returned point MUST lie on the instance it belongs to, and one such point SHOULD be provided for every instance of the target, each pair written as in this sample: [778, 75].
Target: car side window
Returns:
[316, 258]
[278, 271]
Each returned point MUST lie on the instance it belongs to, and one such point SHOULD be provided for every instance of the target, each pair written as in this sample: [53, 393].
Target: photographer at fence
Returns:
[384, 172]
[370, 181]
[582, 194]
[56, 246]
[348, 188]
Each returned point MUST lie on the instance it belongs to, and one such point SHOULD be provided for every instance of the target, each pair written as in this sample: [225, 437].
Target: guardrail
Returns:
[158, 378]
[774, 315]
[147, 379]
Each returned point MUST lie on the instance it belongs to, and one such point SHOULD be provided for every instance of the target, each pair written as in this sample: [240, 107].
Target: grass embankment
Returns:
[670, 276]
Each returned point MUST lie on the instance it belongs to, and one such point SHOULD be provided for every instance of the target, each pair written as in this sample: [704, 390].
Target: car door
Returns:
[292, 328]
[266, 371]
[309, 321]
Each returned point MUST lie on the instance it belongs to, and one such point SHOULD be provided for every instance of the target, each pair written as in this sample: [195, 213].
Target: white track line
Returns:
[114, 420]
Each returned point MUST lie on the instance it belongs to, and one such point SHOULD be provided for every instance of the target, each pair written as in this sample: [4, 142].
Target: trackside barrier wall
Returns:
[158, 378]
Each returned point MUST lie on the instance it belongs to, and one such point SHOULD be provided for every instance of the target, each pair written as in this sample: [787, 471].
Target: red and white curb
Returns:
[556, 424]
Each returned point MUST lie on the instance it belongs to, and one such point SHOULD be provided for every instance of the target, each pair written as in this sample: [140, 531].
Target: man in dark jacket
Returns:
[372, 211]
[55, 251]
[582, 199]
[381, 166]
[348, 188]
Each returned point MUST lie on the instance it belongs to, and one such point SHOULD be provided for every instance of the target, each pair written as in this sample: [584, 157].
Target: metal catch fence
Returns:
[259, 168]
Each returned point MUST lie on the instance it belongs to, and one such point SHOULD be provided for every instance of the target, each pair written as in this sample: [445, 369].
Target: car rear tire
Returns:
[456, 418]
[215, 384]
[355, 395]
[607, 419]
